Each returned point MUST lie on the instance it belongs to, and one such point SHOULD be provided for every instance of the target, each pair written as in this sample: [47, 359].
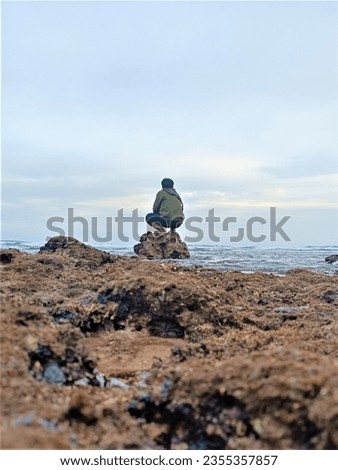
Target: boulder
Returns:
[331, 259]
[83, 255]
[161, 245]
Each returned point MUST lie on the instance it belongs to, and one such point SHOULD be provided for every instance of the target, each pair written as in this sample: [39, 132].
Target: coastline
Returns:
[111, 352]
[248, 259]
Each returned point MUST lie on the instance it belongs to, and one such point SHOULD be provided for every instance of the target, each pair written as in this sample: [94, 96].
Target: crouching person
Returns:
[167, 208]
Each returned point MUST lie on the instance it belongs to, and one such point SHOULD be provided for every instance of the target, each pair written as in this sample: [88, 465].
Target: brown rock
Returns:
[84, 255]
[207, 365]
[161, 245]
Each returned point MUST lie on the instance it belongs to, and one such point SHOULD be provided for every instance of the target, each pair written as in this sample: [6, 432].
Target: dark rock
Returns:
[57, 243]
[331, 297]
[43, 354]
[162, 245]
[178, 354]
[64, 315]
[131, 304]
[6, 257]
[72, 368]
[208, 426]
[80, 412]
[331, 259]
[24, 317]
[52, 262]
[165, 327]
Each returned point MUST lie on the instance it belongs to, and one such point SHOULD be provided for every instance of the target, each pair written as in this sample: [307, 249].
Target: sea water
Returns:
[229, 258]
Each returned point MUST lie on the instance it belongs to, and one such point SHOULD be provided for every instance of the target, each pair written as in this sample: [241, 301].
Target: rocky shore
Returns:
[107, 352]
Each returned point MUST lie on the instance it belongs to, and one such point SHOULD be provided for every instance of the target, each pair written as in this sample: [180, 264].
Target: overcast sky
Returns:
[235, 101]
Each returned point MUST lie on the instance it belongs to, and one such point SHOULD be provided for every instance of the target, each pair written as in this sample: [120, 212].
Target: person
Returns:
[167, 208]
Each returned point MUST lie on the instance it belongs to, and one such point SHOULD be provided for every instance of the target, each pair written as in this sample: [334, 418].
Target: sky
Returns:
[237, 102]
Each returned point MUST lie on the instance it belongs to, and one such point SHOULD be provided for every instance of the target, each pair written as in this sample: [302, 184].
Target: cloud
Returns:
[237, 102]
[313, 164]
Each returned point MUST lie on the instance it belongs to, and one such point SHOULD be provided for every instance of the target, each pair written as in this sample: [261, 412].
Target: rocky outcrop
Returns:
[84, 255]
[331, 259]
[140, 354]
[162, 245]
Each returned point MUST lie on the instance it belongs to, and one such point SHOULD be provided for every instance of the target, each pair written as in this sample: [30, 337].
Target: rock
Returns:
[114, 382]
[52, 262]
[54, 374]
[57, 243]
[162, 245]
[101, 380]
[330, 297]
[25, 420]
[289, 309]
[83, 255]
[331, 259]
[6, 257]
[165, 327]
[213, 360]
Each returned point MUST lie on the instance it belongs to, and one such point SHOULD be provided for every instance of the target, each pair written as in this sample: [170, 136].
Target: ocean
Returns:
[227, 258]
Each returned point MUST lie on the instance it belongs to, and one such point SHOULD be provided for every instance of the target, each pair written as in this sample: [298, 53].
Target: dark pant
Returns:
[155, 218]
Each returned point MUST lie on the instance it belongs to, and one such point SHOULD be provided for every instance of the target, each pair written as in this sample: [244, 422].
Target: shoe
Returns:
[159, 228]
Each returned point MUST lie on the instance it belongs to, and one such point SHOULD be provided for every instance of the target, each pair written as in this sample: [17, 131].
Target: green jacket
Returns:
[168, 206]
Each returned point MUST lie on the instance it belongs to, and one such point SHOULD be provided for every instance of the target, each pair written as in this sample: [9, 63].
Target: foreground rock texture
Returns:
[106, 352]
[162, 245]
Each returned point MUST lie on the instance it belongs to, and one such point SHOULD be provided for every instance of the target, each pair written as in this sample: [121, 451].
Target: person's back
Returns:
[167, 208]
